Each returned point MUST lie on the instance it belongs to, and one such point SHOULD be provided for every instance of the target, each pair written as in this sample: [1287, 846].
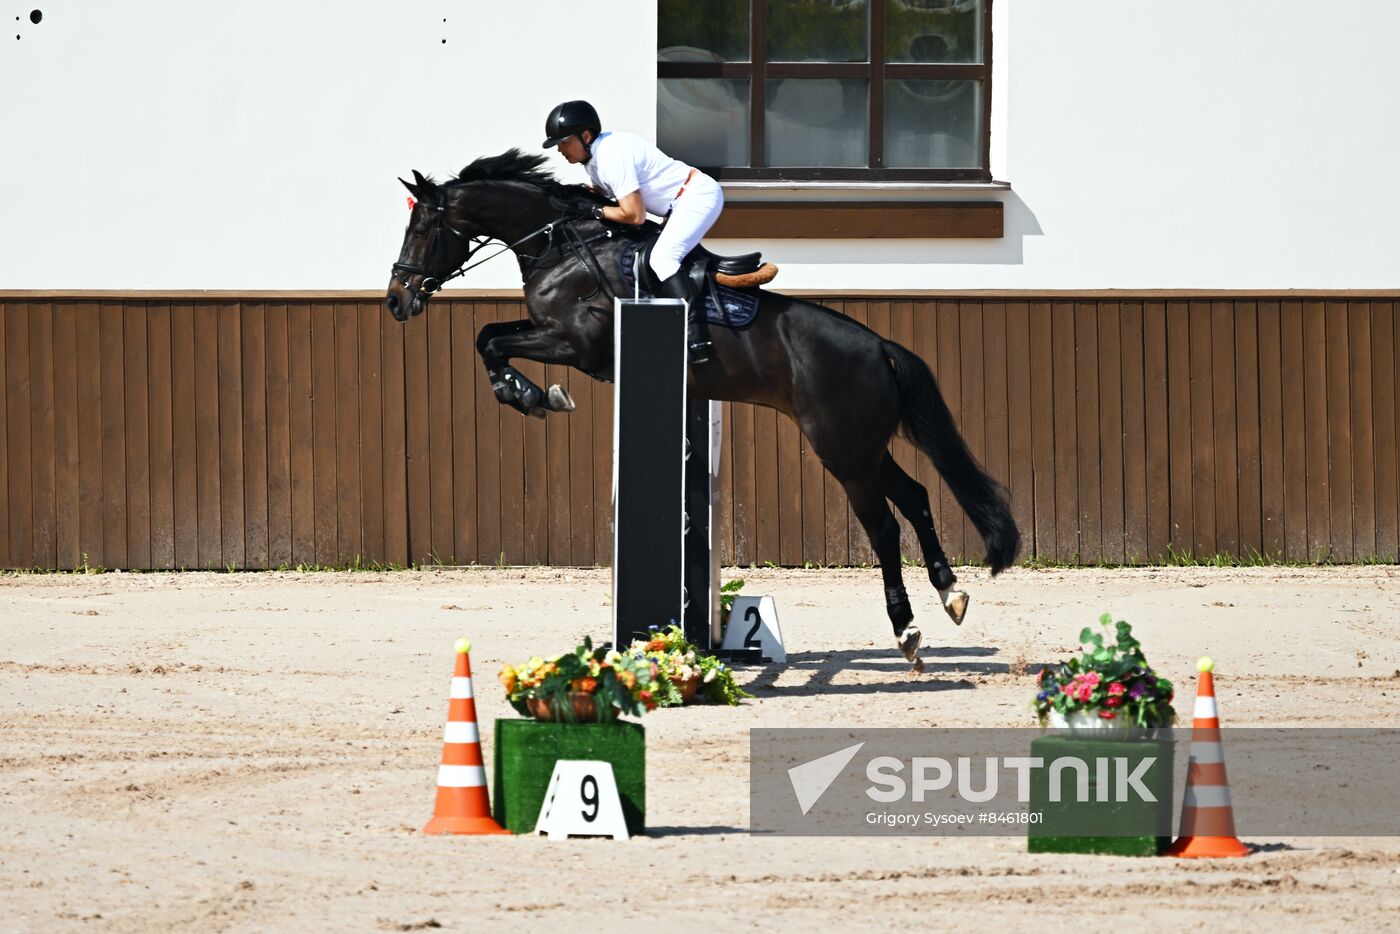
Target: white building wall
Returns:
[169, 144]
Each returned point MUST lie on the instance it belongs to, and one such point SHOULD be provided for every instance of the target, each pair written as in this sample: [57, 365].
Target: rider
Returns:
[642, 179]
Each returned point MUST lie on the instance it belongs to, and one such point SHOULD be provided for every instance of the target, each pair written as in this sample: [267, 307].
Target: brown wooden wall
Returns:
[259, 433]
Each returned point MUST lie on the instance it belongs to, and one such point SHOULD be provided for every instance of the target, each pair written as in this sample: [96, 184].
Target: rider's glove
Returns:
[570, 209]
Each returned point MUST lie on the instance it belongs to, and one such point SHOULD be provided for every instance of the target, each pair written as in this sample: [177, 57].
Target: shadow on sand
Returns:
[715, 831]
[825, 666]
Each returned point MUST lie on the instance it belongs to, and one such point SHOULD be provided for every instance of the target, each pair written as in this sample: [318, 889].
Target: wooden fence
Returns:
[158, 433]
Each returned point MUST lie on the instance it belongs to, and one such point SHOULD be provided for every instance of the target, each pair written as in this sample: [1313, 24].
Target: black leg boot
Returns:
[697, 328]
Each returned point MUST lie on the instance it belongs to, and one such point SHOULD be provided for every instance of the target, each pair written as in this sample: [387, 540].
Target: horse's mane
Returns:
[516, 166]
[511, 165]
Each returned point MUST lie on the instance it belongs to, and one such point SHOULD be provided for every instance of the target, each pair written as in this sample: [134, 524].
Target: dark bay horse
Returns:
[848, 389]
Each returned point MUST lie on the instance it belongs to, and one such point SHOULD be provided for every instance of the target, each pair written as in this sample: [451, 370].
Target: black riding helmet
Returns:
[568, 119]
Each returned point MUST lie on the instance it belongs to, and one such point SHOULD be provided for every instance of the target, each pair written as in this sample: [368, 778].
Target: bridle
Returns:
[431, 284]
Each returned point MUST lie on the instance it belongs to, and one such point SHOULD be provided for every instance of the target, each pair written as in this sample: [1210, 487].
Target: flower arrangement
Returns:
[680, 663]
[1113, 680]
[677, 665]
[601, 684]
[619, 684]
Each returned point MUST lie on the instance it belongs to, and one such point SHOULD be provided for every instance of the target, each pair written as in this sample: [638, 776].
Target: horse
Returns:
[847, 388]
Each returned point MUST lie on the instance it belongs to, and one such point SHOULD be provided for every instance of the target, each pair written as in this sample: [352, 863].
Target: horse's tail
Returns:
[930, 425]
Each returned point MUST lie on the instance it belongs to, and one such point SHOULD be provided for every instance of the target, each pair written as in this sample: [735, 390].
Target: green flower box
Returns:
[526, 751]
[1133, 827]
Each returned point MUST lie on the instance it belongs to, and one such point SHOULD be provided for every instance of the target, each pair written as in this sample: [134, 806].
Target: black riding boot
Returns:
[697, 329]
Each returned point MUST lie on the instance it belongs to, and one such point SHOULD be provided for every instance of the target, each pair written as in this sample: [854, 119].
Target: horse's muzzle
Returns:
[403, 303]
[396, 306]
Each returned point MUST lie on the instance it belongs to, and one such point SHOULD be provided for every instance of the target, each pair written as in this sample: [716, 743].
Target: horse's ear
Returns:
[418, 178]
[412, 189]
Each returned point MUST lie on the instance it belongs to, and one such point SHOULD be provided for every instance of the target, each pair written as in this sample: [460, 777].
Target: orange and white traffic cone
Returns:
[462, 805]
[1207, 818]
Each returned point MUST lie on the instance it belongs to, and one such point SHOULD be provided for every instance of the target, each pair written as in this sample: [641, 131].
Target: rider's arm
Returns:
[628, 210]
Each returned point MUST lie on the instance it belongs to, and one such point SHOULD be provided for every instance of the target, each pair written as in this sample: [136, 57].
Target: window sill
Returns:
[745, 189]
[846, 220]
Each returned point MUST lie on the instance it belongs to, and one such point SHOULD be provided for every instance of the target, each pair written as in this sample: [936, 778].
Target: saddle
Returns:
[716, 280]
[745, 271]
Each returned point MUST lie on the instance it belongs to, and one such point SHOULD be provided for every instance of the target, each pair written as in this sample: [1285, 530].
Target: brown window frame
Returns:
[758, 69]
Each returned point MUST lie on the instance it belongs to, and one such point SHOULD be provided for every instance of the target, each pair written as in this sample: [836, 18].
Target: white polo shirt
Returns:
[624, 162]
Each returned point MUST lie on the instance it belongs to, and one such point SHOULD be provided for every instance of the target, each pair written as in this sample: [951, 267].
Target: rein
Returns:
[582, 249]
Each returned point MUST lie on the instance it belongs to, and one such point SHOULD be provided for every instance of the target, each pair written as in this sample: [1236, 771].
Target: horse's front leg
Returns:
[498, 343]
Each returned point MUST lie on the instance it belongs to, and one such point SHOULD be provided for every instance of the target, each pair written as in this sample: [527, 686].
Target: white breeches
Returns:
[692, 215]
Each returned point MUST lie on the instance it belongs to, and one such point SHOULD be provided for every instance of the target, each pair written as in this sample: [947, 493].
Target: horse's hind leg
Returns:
[911, 498]
[868, 502]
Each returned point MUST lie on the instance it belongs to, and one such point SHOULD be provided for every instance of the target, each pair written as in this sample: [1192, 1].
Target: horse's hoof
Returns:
[908, 642]
[918, 667]
[955, 603]
[559, 399]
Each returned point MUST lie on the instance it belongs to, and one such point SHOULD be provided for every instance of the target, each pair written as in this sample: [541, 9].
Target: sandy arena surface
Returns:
[258, 752]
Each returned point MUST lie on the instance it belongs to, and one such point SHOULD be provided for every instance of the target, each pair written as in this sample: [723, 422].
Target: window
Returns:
[869, 90]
